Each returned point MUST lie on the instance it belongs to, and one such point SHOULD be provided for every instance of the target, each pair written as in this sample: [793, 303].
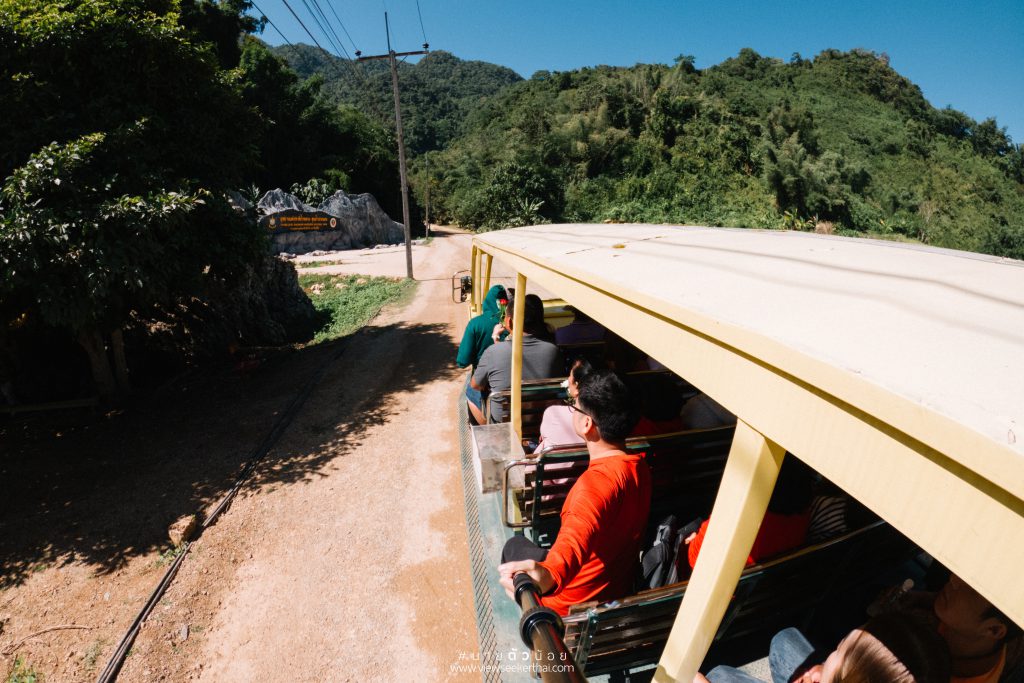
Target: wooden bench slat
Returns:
[769, 596]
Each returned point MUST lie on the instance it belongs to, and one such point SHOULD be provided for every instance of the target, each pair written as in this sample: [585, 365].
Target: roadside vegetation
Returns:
[347, 302]
[126, 125]
[840, 143]
[23, 673]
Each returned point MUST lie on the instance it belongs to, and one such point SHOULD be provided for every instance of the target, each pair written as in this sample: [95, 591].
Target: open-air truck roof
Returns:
[896, 371]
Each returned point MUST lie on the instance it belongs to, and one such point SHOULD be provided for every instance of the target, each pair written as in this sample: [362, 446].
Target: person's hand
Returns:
[496, 333]
[541, 576]
[699, 678]
[812, 675]
[690, 539]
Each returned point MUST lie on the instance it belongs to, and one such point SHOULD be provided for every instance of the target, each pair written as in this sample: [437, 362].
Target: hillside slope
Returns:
[839, 143]
[438, 92]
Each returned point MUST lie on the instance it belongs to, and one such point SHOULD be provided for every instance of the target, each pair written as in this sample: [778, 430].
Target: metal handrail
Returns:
[504, 493]
[541, 629]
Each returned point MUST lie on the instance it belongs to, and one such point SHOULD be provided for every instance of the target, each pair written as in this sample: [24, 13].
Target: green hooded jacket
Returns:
[477, 336]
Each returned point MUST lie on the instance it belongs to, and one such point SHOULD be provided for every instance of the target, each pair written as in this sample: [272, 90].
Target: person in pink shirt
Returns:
[556, 424]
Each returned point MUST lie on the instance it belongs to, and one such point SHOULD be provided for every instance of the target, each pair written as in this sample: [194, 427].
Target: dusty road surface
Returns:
[343, 558]
[357, 571]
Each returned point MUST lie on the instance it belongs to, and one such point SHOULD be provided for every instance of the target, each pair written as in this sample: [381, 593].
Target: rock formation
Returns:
[358, 222]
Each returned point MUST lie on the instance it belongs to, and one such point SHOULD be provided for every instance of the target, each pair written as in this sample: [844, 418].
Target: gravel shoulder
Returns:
[344, 557]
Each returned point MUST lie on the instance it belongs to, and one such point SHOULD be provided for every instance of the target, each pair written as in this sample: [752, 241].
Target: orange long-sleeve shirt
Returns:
[604, 516]
[777, 534]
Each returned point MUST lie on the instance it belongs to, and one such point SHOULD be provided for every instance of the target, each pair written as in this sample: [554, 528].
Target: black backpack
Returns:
[662, 564]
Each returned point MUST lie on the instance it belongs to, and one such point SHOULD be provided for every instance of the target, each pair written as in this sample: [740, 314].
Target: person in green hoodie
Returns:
[477, 337]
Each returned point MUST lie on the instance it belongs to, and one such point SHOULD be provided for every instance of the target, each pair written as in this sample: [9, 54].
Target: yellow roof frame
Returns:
[941, 464]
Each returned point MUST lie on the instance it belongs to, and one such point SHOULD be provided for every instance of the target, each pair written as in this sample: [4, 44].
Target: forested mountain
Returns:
[438, 92]
[841, 143]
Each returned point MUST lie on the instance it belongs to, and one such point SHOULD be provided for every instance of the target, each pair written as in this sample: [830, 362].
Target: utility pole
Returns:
[426, 209]
[390, 56]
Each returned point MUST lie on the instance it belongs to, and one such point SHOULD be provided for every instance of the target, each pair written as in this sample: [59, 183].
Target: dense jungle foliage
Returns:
[125, 126]
[438, 93]
[127, 123]
[839, 143]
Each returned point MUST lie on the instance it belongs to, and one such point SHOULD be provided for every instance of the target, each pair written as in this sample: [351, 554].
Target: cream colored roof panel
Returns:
[941, 329]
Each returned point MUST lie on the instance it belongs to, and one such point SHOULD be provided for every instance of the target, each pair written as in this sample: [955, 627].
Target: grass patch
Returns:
[92, 655]
[347, 302]
[316, 264]
[23, 673]
[169, 555]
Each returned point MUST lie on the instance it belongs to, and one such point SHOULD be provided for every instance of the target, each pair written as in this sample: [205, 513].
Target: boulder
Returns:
[279, 200]
[356, 221]
[183, 529]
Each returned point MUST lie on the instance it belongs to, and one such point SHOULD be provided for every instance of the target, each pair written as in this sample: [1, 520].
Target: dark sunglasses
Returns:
[573, 408]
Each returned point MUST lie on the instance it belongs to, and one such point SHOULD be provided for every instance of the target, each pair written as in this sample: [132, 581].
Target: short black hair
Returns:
[606, 398]
[1013, 631]
[533, 314]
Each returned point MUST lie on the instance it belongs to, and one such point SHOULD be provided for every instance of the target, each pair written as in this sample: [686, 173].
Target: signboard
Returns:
[291, 220]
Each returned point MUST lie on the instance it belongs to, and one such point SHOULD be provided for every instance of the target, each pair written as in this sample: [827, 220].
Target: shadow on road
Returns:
[106, 492]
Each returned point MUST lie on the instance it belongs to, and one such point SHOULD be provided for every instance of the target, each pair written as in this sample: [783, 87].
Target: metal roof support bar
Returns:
[747, 484]
[519, 313]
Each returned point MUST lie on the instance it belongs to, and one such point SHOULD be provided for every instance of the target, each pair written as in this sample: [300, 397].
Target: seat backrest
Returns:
[686, 468]
[539, 394]
[769, 597]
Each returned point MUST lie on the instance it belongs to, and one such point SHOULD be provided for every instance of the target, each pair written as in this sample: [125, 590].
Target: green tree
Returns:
[120, 136]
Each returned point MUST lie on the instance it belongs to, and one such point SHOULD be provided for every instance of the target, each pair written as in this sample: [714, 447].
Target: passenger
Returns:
[785, 523]
[477, 336]
[541, 359]
[476, 339]
[660, 403]
[594, 556]
[621, 356]
[580, 331]
[830, 514]
[556, 423]
[976, 632]
[891, 648]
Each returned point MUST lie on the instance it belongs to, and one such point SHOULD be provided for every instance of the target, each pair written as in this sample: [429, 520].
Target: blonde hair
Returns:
[866, 660]
[894, 648]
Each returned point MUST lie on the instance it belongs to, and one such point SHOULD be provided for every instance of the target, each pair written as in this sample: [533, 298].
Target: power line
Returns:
[308, 33]
[272, 24]
[331, 60]
[420, 14]
[327, 35]
[342, 24]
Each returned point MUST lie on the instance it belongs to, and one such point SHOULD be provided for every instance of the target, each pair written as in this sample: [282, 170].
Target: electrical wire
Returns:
[420, 15]
[342, 24]
[327, 35]
[272, 24]
[333, 62]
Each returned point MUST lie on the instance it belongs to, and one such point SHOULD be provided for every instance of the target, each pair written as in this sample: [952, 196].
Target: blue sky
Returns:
[969, 55]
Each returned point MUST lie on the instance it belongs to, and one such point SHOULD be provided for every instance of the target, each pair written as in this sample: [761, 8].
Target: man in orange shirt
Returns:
[976, 632]
[595, 556]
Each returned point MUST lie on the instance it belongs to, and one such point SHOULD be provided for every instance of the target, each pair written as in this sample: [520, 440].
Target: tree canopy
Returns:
[126, 124]
[840, 143]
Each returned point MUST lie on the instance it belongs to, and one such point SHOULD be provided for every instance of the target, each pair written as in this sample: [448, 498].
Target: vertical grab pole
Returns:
[517, 354]
[488, 259]
[474, 298]
[747, 485]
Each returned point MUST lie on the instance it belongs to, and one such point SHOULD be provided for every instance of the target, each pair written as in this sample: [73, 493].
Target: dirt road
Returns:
[358, 570]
